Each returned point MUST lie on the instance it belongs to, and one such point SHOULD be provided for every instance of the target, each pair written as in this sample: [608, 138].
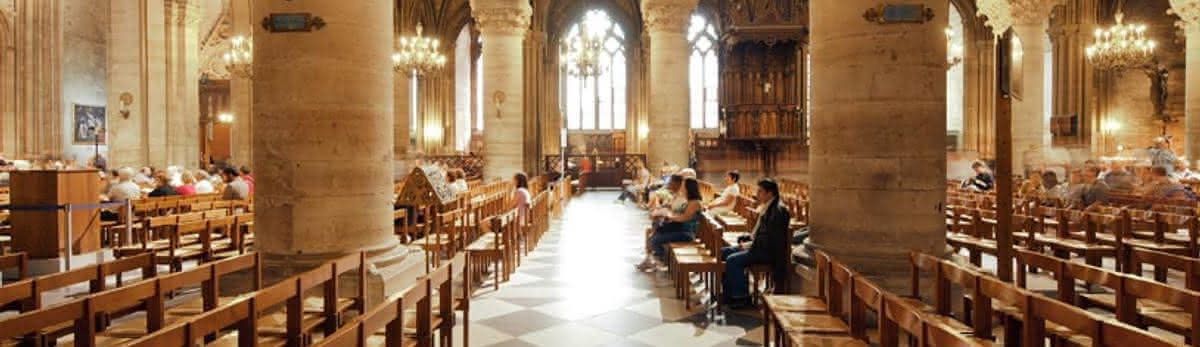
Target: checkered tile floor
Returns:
[579, 288]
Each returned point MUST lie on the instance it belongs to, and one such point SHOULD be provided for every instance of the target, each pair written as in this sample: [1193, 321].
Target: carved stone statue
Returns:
[1158, 89]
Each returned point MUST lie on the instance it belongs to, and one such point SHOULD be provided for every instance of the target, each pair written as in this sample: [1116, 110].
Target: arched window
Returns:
[462, 89]
[702, 73]
[596, 102]
[954, 76]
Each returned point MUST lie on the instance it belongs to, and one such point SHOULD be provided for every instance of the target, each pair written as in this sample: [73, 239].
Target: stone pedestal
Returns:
[502, 26]
[323, 104]
[878, 155]
[666, 23]
[1028, 117]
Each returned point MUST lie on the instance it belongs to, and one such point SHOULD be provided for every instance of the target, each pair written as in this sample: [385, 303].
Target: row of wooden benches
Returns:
[846, 302]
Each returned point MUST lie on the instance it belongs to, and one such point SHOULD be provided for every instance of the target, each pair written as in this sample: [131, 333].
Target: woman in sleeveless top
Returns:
[679, 223]
[521, 196]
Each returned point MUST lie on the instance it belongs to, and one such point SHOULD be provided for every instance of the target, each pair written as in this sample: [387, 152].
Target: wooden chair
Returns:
[494, 248]
[387, 317]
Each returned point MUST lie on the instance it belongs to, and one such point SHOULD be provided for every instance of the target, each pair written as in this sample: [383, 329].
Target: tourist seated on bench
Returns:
[639, 183]
[664, 196]
[676, 223]
[771, 245]
[724, 204]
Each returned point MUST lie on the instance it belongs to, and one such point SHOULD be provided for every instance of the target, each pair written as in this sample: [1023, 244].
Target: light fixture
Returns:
[1121, 46]
[239, 60]
[418, 55]
[225, 118]
[1110, 126]
[582, 47]
[954, 51]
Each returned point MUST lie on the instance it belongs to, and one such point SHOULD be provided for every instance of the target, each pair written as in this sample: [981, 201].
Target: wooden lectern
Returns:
[40, 230]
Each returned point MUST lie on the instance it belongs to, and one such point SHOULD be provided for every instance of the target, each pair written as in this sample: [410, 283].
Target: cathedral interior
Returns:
[599, 172]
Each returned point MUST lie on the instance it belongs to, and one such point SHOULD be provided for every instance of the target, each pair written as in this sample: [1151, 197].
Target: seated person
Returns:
[460, 181]
[982, 181]
[724, 203]
[235, 187]
[1160, 187]
[674, 222]
[162, 186]
[125, 189]
[639, 183]
[771, 245]
[1032, 187]
[1090, 191]
[1118, 178]
[663, 196]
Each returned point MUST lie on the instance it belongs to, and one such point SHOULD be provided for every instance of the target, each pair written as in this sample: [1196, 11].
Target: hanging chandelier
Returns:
[418, 55]
[240, 58]
[581, 52]
[1120, 47]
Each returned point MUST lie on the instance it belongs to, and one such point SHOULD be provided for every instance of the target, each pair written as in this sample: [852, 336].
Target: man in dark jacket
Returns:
[771, 245]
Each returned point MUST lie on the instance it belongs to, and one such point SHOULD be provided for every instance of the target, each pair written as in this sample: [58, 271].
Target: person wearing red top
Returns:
[249, 179]
[189, 185]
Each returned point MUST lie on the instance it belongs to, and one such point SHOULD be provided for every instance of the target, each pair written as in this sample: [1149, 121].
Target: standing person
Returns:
[1161, 154]
[678, 223]
[521, 196]
[235, 187]
[771, 245]
[724, 203]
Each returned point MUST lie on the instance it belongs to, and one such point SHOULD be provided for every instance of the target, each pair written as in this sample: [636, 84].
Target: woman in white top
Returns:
[460, 182]
[521, 196]
[203, 183]
[724, 203]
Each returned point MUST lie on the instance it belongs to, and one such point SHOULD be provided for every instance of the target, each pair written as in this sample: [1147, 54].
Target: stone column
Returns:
[1189, 14]
[323, 103]
[878, 155]
[241, 90]
[502, 25]
[1030, 20]
[666, 25]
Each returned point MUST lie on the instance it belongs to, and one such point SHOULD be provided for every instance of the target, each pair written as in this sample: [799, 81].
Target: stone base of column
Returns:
[389, 271]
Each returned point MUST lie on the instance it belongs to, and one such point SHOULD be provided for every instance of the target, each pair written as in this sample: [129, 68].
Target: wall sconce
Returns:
[126, 99]
[643, 131]
[1111, 126]
[767, 87]
[498, 99]
[433, 133]
[225, 118]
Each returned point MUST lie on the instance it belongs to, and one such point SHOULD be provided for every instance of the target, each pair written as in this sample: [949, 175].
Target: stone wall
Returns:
[84, 68]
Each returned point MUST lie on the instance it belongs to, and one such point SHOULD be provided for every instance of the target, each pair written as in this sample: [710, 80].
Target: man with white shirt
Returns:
[724, 203]
[125, 189]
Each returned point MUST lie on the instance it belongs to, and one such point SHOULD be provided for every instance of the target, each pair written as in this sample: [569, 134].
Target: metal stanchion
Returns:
[70, 236]
[128, 223]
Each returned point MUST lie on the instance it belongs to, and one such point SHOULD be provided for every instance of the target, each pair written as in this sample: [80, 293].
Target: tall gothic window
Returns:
[463, 95]
[702, 73]
[479, 94]
[596, 102]
[412, 114]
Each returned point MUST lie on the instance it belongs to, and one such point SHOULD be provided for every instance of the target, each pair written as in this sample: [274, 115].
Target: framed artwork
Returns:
[89, 127]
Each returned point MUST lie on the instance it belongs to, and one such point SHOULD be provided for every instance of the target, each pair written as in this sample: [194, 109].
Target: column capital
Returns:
[1188, 12]
[667, 15]
[1032, 11]
[503, 19]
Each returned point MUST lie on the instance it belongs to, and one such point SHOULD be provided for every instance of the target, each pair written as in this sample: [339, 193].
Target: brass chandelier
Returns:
[1122, 46]
[239, 60]
[581, 53]
[418, 55]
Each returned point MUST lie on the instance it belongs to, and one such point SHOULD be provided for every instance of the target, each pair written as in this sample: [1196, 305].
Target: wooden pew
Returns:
[18, 261]
[388, 317]
[27, 295]
[89, 320]
[256, 316]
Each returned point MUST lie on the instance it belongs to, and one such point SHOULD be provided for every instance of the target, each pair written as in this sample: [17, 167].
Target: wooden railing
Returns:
[607, 169]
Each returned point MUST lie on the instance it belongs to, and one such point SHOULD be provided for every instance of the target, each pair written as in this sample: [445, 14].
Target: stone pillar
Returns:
[241, 90]
[666, 25]
[323, 103]
[502, 25]
[137, 66]
[878, 155]
[1189, 14]
[1028, 124]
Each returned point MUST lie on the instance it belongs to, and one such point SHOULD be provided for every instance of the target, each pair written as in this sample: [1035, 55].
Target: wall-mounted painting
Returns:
[89, 124]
